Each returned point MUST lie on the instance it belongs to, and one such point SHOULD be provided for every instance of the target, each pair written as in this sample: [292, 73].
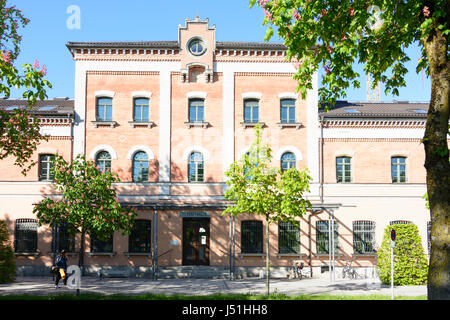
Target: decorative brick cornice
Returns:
[371, 140]
[54, 121]
[60, 138]
[394, 123]
[263, 74]
[123, 73]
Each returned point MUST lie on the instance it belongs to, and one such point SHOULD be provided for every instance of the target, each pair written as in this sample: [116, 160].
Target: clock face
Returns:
[196, 47]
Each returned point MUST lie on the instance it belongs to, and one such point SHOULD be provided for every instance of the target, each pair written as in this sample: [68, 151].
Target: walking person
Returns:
[61, 263]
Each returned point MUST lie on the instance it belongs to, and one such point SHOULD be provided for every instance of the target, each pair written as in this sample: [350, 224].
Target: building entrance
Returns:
[196, 241]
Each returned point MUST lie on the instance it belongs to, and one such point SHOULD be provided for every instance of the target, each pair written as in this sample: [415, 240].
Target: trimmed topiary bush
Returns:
[410, 262]
[7, 262]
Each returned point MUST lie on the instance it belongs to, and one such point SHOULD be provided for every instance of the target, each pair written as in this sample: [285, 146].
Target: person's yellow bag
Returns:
[62, 273]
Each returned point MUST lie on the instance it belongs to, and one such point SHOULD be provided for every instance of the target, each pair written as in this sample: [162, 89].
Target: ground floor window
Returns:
[140, 236]
[99, 246]
[322, 237]
[363, 237]
[62, 238]
[25, 235]
[288, 238]
[251, 236]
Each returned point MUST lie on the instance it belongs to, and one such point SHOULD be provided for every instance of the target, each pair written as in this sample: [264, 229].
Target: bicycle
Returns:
[349, 271]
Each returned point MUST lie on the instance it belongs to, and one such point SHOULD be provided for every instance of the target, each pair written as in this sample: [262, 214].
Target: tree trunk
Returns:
[267, 258]
[81, 254]
[438, 167]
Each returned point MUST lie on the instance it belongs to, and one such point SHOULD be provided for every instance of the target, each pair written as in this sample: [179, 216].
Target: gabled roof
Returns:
[395, 109]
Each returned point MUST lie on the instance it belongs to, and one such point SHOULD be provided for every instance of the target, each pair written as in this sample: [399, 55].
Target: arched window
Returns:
[104, 109]
[140, 167]
[287, 110]
[103, 161]
[196, 167]
[287, 161]
[141, 109]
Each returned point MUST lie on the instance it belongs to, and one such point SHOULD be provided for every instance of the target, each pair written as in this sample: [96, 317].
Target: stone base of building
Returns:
[197, 272]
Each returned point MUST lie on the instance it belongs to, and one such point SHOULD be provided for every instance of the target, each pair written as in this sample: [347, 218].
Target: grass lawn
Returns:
[274, 296]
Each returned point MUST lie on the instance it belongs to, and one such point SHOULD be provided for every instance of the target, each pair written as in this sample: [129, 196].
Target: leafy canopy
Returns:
[19, 130]
[88, 201]
[257, 188]
[338, 34]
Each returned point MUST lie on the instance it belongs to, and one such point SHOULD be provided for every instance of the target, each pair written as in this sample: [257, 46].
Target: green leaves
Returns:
[88, 202]
[410, 263]
[257, 188]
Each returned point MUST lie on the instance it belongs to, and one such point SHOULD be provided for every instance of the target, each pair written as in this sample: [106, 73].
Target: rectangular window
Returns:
[141, 110]
[322, 237]
[288, 238]
[343, 169]
[251, 236]
[104, 109]
[287, 111]
[398, 169]
[46, 164]
[140, 237]
[25, 235]
[100, 246]
[364, 237]
[196, 108]
[62, 238]
[251, 111]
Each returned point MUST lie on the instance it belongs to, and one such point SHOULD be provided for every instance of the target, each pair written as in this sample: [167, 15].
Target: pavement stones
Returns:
[199, 287]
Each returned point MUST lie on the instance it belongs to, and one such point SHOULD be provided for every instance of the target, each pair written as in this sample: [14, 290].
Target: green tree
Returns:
[338, 34]
[88, 202]
[410, 262]
[7, 262]
[258, 189]
[19, 129]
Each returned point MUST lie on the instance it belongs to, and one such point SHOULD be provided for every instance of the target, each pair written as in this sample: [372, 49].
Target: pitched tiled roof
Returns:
[50, 107]
[396, 109]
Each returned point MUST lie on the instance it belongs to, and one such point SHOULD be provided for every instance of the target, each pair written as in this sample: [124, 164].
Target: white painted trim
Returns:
[294, 150]
[288, 95]
[196, 94]
[252, 95]
[228, 121]
[141, 94]
[103, 147]
[104, 93]
[165, 88]
[135, 149]
[374, 133]
[190, 149]
[312, 128]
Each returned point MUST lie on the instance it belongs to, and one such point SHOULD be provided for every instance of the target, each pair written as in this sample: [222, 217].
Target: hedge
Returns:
[7, 261]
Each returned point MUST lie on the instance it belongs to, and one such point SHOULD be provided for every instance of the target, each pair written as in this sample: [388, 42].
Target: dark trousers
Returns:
[58, 277]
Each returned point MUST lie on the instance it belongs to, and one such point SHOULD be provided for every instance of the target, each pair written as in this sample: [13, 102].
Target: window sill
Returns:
[336, 255]
[110, 254]
[111, 124]
[135, 124]
[297, 255]
[128, 254]
[252, 124]
[373, 254]
[296, 125]
[27, 254]
[197, 124]
[68, 254]
[260, 255]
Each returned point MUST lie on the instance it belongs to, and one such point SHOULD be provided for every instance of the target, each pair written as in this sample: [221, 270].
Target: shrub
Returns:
[410, 262]
[7, 262]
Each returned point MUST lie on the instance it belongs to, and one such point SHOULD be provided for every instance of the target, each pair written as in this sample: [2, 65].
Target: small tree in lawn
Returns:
[256, 188]
[7, 260]
[89, 203]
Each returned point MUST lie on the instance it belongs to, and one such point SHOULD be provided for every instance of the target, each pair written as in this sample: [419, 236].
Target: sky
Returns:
[45, 37]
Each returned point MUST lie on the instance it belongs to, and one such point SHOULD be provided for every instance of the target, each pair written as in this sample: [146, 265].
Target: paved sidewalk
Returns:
[133, 286]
